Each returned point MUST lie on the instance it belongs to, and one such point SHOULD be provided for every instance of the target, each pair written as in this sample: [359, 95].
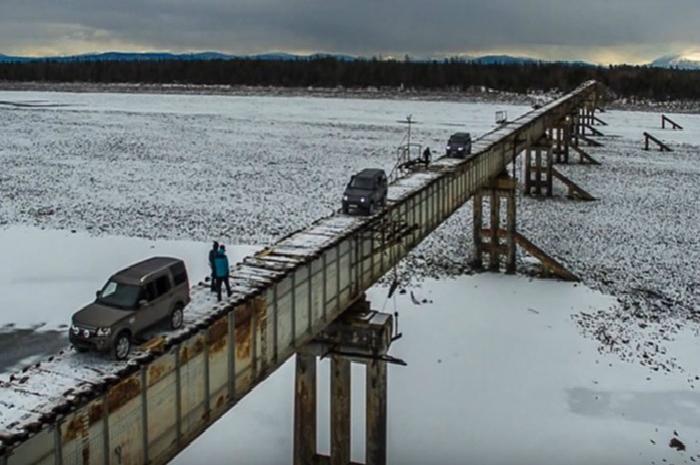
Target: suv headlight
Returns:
[345, 197]
[362, 199]
[74, 329]
[104, 332]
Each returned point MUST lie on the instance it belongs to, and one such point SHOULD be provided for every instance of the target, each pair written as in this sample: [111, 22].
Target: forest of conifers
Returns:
[624, 81]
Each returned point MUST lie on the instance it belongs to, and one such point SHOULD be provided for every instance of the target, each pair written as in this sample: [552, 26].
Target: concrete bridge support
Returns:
[361, 336]
[538, 178]
[495, 241]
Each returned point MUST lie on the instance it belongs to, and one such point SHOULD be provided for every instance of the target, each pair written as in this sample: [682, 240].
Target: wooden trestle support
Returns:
[498, 241]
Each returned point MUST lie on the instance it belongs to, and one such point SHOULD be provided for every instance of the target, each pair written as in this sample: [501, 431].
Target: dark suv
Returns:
[133, 299]
[459, 145]
[366, 191]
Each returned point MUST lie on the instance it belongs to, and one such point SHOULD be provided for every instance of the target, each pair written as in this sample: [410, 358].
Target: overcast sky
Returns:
[601, 31]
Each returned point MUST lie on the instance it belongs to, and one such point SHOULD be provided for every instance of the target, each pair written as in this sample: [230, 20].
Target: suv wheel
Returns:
[122, 346]
[176, 317]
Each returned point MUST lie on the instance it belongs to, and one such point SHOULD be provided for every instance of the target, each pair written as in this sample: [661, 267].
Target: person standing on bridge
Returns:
[212, 255]
[426, 156]
[221, 272]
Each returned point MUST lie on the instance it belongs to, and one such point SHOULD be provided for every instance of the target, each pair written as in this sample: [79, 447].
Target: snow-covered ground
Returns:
[497, 374]
[509, 378]
[640, 241]
[247, 169]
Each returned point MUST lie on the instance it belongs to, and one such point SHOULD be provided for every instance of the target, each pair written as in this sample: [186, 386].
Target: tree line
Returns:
[624, 81]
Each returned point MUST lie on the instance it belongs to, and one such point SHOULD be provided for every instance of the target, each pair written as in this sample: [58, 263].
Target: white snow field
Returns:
[185, 166]
[47, 275]
[508, 378]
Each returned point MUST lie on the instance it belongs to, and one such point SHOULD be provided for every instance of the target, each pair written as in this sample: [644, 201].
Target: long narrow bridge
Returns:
[84, 409]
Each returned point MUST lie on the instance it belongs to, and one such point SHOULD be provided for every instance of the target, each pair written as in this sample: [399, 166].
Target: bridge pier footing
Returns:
[358, 336]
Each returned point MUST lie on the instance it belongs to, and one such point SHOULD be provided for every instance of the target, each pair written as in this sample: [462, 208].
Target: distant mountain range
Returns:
[160, 56]
[272, 56]
[671, 61]
[676, 61]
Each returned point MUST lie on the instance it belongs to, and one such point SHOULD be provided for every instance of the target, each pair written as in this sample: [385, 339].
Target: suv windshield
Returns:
[362, 183]
[458, 140]
[124, 296]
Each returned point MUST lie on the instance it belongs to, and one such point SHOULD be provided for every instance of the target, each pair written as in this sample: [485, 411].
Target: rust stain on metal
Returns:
[95, 413]
[217, 335]
[220, 401]
[156, 345]
[158, 371]
[122, 393]
[76, 428]
[243, 331]
[190, 351]
[155, 373]
[260, 308]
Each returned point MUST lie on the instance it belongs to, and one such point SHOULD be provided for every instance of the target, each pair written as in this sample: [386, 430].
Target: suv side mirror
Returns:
[143, 303]
[98, 294]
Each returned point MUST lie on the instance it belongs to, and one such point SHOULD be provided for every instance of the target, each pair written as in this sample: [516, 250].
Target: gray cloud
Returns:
[568, 28]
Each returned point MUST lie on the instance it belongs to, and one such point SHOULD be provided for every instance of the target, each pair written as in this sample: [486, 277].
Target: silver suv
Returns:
[133, 300]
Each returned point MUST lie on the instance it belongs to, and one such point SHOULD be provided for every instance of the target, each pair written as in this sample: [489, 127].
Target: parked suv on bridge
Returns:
[366, 191]
[459, 145]
[133, 300]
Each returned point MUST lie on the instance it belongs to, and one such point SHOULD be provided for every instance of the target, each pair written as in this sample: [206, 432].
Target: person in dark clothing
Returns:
[212, 254]
[426, 156]
[221, 272]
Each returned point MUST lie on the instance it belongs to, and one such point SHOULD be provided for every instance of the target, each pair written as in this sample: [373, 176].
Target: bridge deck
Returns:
[83, 408]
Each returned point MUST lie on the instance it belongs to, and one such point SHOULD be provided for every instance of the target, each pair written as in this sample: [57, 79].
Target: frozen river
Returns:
[498, 369]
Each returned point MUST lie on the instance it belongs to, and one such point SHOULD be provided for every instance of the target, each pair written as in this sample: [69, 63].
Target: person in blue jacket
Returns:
[221, 271]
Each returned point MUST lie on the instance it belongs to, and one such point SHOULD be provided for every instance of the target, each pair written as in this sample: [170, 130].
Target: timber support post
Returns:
[538, 168]
[498, 242]
[361, 336]
[488, 240]
[562, 138]
[305, 409]
[665, 119]
[662, 147]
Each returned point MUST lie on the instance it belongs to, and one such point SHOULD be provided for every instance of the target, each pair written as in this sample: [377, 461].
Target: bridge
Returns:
[303, 295]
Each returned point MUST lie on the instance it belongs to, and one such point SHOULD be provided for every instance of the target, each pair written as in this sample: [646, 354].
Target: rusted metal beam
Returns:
[340, 411]
[305, 409]
[376, 418]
